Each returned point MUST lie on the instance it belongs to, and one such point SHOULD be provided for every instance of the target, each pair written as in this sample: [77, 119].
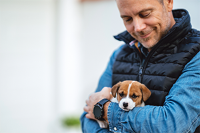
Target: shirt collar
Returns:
[144, 51]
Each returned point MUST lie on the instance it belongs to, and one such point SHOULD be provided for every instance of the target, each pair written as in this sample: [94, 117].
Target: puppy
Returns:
[128, 94]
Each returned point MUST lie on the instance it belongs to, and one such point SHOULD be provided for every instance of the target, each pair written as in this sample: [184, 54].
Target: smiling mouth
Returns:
[147, 35]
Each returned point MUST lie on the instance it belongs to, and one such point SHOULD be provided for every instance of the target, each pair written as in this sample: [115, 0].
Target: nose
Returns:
[125, 104]
[139, 25]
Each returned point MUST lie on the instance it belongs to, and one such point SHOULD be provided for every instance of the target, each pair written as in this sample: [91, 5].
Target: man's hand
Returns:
[93, 99]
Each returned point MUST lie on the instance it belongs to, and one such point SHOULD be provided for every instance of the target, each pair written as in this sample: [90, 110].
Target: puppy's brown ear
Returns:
[146, 92]
[115, 89]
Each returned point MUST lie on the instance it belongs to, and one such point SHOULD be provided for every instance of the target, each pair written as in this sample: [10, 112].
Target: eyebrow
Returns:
[144, 10]
[123, 16]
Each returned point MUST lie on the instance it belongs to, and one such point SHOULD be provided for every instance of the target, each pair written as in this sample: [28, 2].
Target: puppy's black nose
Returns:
[125, 104]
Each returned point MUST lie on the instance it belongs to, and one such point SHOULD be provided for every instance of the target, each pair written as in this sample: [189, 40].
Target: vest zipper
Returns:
[143, 64]
[140, 74]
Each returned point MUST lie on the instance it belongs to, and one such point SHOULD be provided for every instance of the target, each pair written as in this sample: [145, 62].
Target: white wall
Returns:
[69, 57]
[193, 8]
[27, 59]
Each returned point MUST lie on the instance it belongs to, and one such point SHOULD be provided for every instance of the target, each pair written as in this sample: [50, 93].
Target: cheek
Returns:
[129, 28]
[153, 24]
[159, 22]
[137, 101]
[155, 20]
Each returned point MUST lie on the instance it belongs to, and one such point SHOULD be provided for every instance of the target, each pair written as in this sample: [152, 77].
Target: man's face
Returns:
[146, 20]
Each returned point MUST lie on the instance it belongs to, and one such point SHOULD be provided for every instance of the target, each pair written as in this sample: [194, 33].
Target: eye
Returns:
[128, 19]
[143, 15]
[134, 96]
[121, 94]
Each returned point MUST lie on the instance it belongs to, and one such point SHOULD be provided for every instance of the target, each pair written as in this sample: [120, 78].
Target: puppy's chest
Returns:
[114, 100]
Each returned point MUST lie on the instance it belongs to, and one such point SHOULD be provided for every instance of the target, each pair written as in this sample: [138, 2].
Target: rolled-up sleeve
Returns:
[179, 114]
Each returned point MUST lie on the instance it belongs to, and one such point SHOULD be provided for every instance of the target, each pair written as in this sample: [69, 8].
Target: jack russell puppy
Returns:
[128, 94]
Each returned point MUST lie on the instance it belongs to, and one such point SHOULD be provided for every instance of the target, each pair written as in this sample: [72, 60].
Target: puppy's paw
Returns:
[103, 124]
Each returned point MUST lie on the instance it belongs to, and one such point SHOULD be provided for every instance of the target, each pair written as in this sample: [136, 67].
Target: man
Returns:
[162, 52]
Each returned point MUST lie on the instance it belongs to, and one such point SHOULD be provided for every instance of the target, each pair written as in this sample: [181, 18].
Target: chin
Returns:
[149, 44]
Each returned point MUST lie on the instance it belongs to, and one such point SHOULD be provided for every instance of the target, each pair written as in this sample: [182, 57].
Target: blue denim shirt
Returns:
[179, 114]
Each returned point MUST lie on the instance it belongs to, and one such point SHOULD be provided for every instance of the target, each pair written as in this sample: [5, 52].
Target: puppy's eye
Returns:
[134, 96]
[121, 94]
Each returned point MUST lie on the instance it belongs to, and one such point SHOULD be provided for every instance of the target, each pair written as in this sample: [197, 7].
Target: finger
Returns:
[87, 101]
[91, 94]
[106, 92]
[89, 116]
[86, 109]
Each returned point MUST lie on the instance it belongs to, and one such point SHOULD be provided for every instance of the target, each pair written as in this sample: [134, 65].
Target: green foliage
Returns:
[71, 121]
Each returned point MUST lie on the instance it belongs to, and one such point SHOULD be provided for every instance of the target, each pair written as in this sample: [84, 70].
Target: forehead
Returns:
[136, 6]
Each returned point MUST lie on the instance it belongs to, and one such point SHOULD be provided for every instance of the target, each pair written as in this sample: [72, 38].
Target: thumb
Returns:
[106, 92]
[106, 89]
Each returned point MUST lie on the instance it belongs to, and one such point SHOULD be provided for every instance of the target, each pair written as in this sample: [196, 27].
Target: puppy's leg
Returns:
[103, 124]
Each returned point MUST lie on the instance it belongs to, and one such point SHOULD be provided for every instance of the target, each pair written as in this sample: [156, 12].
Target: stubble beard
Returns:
[154, 39]
[144, 40]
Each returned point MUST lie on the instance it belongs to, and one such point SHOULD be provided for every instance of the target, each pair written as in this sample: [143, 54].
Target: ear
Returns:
[169, 5]
[115, 89]
[145, 92]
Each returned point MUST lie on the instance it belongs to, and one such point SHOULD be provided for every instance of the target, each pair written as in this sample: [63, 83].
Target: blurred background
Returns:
[52, 53]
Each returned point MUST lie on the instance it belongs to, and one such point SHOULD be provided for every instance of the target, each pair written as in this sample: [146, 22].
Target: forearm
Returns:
[167, 119]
